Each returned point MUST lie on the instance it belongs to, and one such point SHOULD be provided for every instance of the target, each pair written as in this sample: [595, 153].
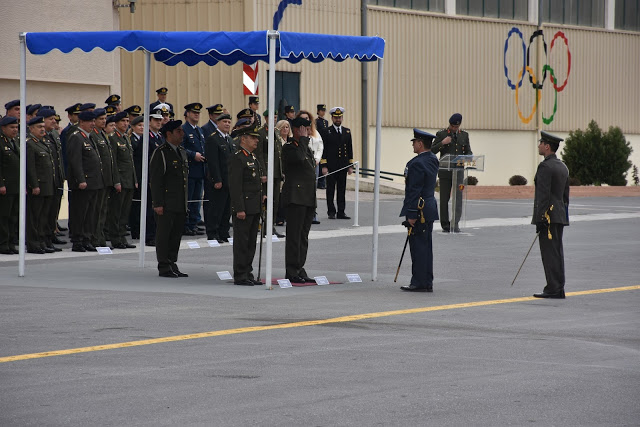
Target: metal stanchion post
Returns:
[357, 199]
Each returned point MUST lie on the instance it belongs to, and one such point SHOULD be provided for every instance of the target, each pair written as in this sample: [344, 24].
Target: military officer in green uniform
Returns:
[299, 197]
[9, 183]
[125, 182]
[168, 177]
[454, 141]
[247, 195]
[101, 142]
[40, 180]
[551, 214]
[262, 154]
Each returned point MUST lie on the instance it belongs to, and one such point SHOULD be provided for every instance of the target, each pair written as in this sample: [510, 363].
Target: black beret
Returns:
[245, 113]
[455, 119]
[215, 109]
[8, 120]
[36, 120]
[12, 104]
[299, 121]
[162, 90]
[137, 120]
[134, 110]
[254, 100]
[32, 109]
[46, 112]
[74, 109]
[87, 106]
[111, 118]
[170, 126]
[548, 138]
[99, 112]
[86, 116]
[120, 116]
[113, 99]
[222, 117]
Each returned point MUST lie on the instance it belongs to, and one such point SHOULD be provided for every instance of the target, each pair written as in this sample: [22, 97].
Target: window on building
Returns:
[586, 13]
[628, 15]
[428, 5]
[504, 9]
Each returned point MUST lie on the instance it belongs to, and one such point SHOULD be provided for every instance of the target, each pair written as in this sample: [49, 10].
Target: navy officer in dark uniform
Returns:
[420, 209]
[193, 143]
[551, 213]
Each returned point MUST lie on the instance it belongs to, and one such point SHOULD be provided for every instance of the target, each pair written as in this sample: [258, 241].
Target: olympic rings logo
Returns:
[537, 84]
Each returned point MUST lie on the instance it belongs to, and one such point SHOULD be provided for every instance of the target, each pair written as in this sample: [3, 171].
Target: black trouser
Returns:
[51, 219]
[169, 227]
[38, 208]
[446, 181]
[134, 217]
[421, 249]
[277, 184]
[120, 206]
[338, 179]
[82, 215]
[553, 258]
[102, 206]
[9, 214]
[298, 225]
[57, 202]
[218, 211]
[245, 232]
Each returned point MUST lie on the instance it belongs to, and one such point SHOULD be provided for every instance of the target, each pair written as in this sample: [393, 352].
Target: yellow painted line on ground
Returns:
[341, 319]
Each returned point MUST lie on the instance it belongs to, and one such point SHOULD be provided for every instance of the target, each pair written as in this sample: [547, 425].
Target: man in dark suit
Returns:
[85, 180]
[218, 150]
[299, 197]
[551, 214]
[168, 176]
[162, 99]
[247, 197]
[72, 115]
[420, 210]
[214, 112]
[193, 143]
[9, 183]
[337, 154]
[101, 142]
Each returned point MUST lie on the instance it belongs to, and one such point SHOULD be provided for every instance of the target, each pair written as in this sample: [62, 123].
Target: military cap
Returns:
[155, 115]
[36, 120]
[112, 100]
[87, 106]
[137, 120]
[110, 110]
[33, 108]
[57, 117]
[46, 112]
[423, 136]
[162, 109]
[86, 116]
[245, 113]
[162, 90]
[12, 104]
[455, 119]
[322, 107]
[194, 106]
[242, 122]
[120, 116]
[266, 113]
[289, 109]
[134, 110]
[215, 109]
[249, 131]
[548, 138]
[254, 100]
[222, 117]
[337, 111]
[48, 107]
[170, 126]
[74, 109]
[100, 112]
[8, 120]
[111, 118]
[299, 121]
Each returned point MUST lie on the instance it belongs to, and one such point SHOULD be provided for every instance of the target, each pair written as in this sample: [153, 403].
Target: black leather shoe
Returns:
[129, 246]
[61, 228]
[197, 232]
[201, 223]
[308, 279]
[343, 216]
[188, 233]
[456, 230]
[244, 283]
[90, 247]
[57, 241]
[297, 279]
[332, 216]
[169, 273]
[52, 248]
[412, 288]
[150, 243]
[257, 283]
[315, 221]
[279, 235]
[446, 230]
[6, 252]
[180, 273]
[78, 248]
[559, 295]
[223, 240]
[36, 251]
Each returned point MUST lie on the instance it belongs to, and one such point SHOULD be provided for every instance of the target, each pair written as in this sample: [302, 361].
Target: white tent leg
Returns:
[273, 35]
[23, 152]
[376, 180]
[143, 184]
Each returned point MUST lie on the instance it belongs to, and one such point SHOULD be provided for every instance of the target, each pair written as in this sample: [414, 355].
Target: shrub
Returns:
[634, 175]
[471, 180]
[517, 180]
[596, 157]
[573, 181]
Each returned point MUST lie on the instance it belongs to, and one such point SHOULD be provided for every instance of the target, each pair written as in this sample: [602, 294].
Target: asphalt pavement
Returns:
[90, 339]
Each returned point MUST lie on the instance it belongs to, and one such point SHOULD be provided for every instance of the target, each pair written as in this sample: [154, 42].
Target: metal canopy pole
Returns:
[23, 152]
[376, 180]
[273, 35]
[144, 183]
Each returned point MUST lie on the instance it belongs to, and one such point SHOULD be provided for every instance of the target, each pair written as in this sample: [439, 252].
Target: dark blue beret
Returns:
[242, 122]
[170, 126]
[46, 112]
[36, 120]
[111, 118]
[32, 109]
[426, 137]
[87, 106]
[12, 104]
[121, 115]
[456, 119]
[299, 121]
[8, 120]
[222, 117]
[99, 112]
[86, 116]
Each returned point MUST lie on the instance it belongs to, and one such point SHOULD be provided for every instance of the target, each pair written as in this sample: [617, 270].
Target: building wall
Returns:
[58, 79]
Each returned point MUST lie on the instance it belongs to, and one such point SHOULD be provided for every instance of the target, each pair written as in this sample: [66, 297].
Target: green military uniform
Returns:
[262, 153]
[124, 173]
[10, 179]
[84, 165]
[168, 177]
[52, 138]
[459, 145]
[246, 189]
[299, 197]
[101, 142]
[40, 174]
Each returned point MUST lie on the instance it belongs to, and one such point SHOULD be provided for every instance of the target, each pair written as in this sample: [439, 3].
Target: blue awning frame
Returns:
[191, 48]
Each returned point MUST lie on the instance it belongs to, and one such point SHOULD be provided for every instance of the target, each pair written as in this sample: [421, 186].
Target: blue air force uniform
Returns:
[420, 204]
[194, 142]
